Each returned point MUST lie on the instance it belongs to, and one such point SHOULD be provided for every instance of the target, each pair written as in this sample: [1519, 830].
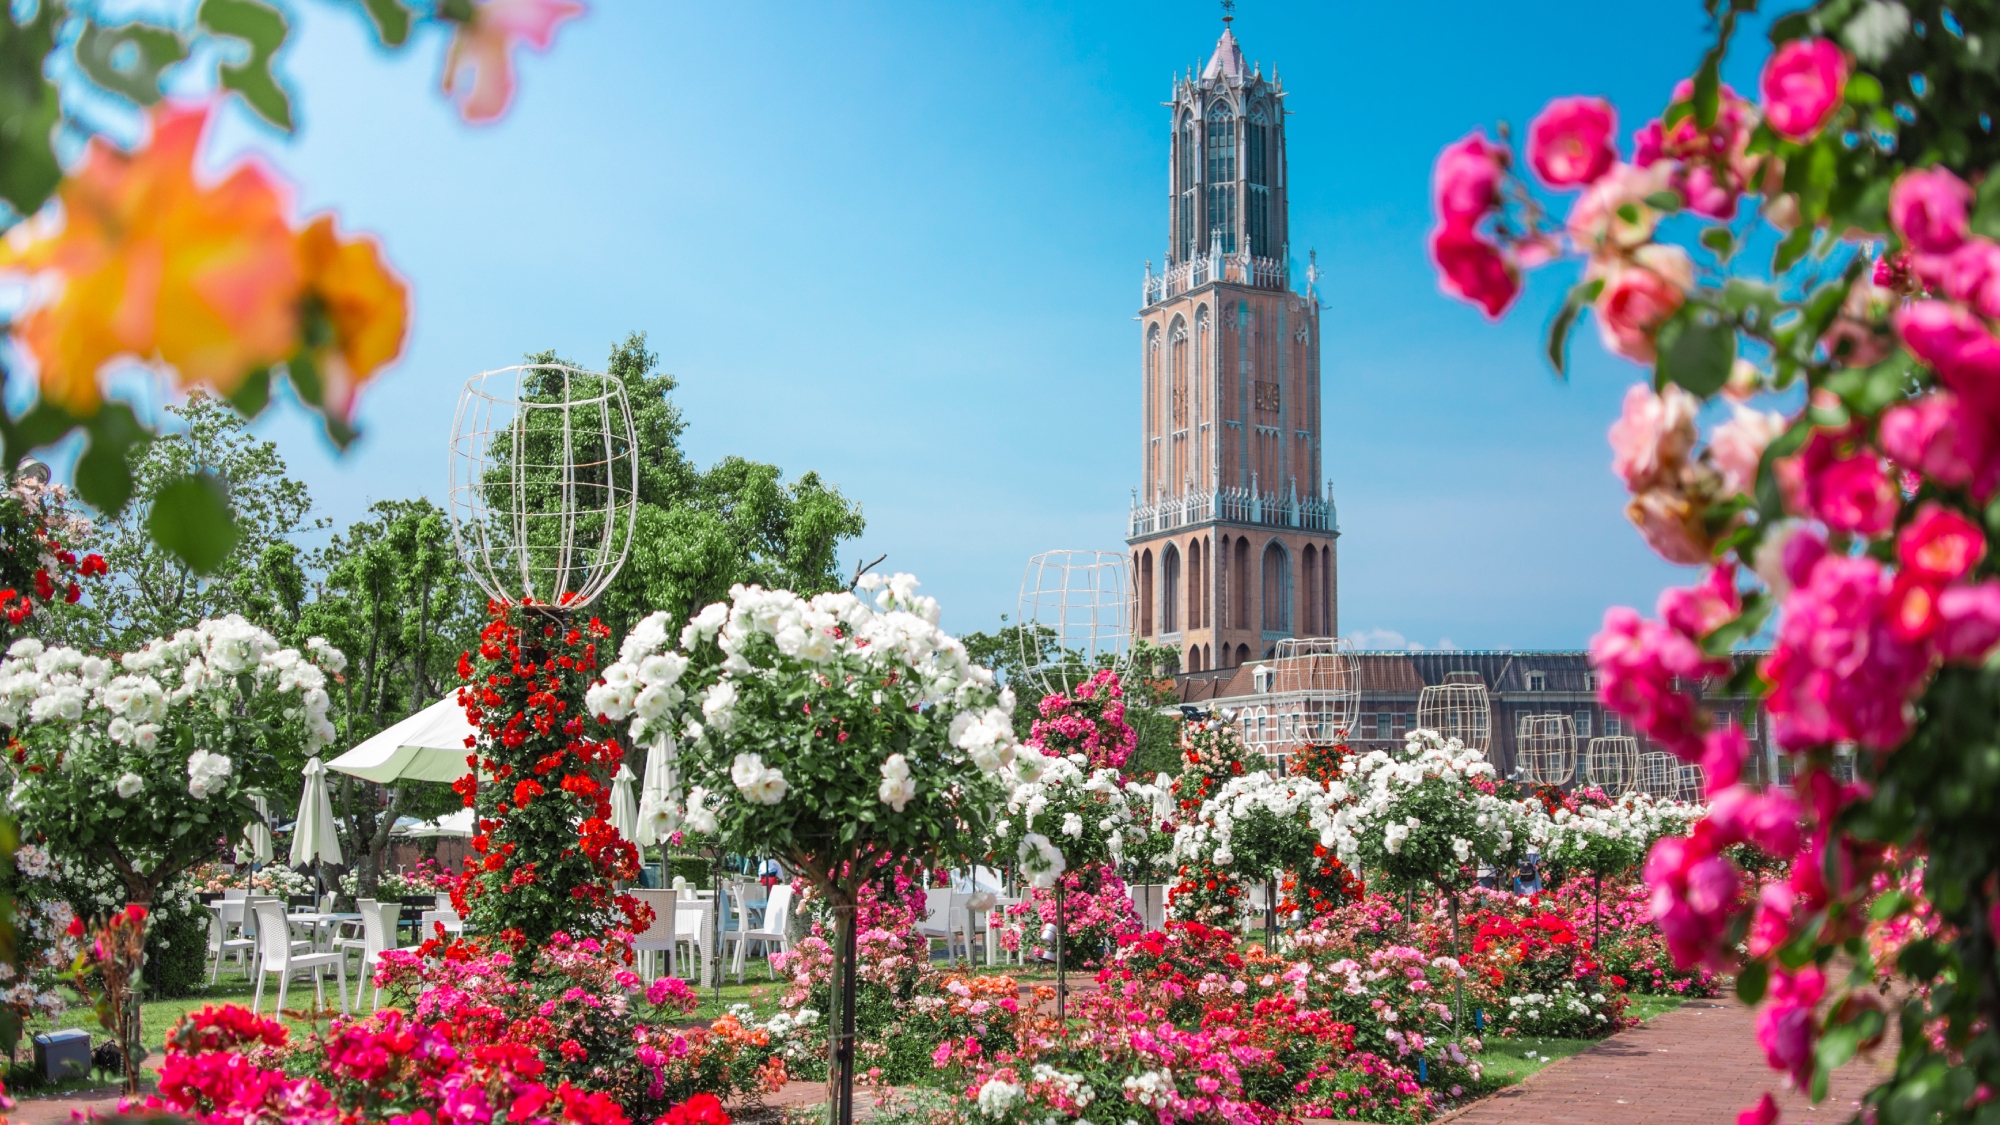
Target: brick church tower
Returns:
[1232, 537]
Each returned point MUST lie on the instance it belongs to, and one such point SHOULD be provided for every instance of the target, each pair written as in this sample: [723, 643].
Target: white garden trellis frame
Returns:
[1611, 763]
[1657, 777]
[1547, 751]
[1313, 690]
[1084, 601]
[1458, 708]
[544, 482]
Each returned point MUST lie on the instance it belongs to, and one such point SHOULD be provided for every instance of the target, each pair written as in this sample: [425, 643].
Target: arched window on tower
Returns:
[1170, 590]
[1184, 186]
[1309, 589]
[1197, 582]
[1153, 395]
[1145, 593]
[1277, 590]
[1257, 177]
[1177, 413]
[1243, 618]
[1222, 175]
[1199, 391]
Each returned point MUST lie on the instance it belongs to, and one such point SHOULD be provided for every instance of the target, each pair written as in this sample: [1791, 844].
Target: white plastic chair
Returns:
[658, 937]
[777, 920]
[278, 956]
[223, 917]
[945, 917]
[691, 928]
[378, 933]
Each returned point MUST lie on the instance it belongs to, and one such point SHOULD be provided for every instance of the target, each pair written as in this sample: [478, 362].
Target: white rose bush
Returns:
[146, 762]
[1426, 815]
[837, 733]
[1255, 827]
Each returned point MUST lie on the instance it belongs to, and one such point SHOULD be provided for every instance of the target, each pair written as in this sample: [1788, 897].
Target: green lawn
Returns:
[1507, 1061]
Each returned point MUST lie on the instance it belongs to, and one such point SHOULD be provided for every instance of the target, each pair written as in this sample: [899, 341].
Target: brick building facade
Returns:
[1232, 536]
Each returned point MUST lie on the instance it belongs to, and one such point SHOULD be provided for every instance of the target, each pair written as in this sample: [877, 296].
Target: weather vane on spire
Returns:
[1228, 11]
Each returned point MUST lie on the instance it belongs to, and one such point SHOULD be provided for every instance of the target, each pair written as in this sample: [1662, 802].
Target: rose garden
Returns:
[741, 829]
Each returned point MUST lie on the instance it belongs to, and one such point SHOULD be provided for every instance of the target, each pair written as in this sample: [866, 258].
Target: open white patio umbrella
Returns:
[450, 824]
[624, 805]
[655, 794]
[257, 836]
[427, 746]
[314, 839]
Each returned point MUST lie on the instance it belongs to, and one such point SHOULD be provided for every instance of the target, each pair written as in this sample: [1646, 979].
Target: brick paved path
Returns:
[1697, 1065]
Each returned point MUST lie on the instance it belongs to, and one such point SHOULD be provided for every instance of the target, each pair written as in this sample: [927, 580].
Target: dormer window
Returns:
[1538, 681]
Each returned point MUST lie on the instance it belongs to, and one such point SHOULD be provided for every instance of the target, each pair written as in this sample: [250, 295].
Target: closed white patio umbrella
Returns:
[624, 804]
[257, 837]
[656, 794]
[314, 839]
[427, 746]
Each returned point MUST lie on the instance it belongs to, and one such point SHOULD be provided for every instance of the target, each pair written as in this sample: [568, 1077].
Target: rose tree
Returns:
[832, 733]
[1255, 827]
[149, 761]
[1421, 816]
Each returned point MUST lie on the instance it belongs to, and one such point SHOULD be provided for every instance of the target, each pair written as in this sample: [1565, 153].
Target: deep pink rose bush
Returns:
[1838, 499]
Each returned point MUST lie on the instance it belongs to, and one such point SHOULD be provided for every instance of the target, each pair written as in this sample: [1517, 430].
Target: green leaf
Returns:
[1565, 320]
[1838, 1045]
[128, 60]
[1889, 905]
[1664, 201]
[1792, 248]
[263, 28]
[104, 472]
[391, 20]
[1697, 349]
[29, 107]
[1863, 89]
[254, 395]
[1725, 637]
[1708, 89]
[191, 518]
[1719, 241]
[1751, 982]
[1986, 205]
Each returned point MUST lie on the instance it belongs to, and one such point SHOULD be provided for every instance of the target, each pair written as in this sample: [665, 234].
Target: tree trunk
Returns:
[840, 1041]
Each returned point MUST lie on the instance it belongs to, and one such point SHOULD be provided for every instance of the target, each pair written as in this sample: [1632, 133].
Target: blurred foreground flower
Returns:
[143, 260]
[479, 71]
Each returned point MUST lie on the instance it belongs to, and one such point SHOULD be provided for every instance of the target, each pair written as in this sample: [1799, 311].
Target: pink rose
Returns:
[1465, 184]
[1855, 494]
[1701, 609]
[1938, 437]
[1569, 142]
[1639, 296]
[1597, 221]
[1738, 446]
[1929, 209]
[1953, 343]
[1785, 1026]
[1940, 545]
[1972, 275]
[1653, 435]
[1671, 526]
[1968, 622]
[1473, 270]
[1765, 1112]
[1802, 85]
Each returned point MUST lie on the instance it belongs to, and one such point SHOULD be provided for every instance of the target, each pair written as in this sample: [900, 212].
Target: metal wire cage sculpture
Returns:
[1657, 776]
[544, 482]
[1075, 615]
[1690, 783]
[1311, 695]
[1547, 753]
[1611, 763]
[1458, 708]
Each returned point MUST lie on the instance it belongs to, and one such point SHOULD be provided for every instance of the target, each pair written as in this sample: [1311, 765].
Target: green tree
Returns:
[698, 532]
[394, 598]
[150, 592]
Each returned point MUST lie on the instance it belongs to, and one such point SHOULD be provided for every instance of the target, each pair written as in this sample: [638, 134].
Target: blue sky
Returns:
[901, 245]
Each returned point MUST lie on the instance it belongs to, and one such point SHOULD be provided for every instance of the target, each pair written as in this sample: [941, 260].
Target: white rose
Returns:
[129, 785]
